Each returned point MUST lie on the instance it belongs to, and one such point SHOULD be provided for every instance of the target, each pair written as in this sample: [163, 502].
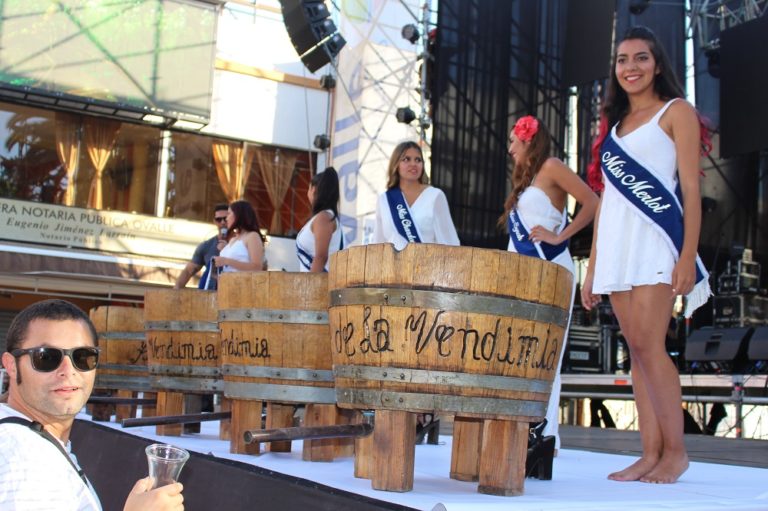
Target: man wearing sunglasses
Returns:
[205, 251]
[51, 359]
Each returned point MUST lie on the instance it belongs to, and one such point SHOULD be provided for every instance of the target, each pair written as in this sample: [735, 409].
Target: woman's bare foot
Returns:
[668, 470]
[635, 471]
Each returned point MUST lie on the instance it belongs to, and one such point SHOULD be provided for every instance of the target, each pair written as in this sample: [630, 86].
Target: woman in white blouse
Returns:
[245, 246]
[412, 211]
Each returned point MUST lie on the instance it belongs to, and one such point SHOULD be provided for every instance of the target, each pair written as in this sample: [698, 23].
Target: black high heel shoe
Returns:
[430, 429]
[541, 451]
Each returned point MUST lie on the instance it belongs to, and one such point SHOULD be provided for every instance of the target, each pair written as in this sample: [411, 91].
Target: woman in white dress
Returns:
[538, 205]
[638, 257]
[245, 246]
[411, 201]
[321, 236]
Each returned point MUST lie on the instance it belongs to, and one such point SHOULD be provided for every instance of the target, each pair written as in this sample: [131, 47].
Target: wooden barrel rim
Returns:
[409, 401]
[278, 373]
[450, 301]
[442, 378]
[309, 317]
[279, 392]
[157, 369]
[182, 326]
[132, 336]
[124, 367]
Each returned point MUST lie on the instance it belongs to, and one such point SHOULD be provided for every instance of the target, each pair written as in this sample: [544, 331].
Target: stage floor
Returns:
[579, 475]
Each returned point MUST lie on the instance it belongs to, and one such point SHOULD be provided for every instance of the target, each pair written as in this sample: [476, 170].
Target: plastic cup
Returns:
[165, 463]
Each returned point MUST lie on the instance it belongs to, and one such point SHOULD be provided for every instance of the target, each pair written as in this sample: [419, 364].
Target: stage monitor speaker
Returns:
[587, 48]
[744, 88]
[308, 23]
[722, 345]
[757, 352]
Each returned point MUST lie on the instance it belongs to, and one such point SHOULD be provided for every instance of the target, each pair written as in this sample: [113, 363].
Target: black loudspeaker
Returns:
[757, 353]
[308, 23]
[587, 51]
[717, 349]
[744, 88]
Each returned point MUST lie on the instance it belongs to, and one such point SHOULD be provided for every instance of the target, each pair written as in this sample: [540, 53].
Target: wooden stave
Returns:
[278, 315]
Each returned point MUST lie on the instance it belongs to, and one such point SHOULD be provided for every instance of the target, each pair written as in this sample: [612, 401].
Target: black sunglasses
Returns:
[219, 219]
[46, 359]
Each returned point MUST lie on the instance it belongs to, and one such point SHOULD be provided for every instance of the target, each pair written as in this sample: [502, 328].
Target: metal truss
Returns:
[707, 18]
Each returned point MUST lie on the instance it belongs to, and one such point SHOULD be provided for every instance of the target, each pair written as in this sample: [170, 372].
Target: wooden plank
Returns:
[502, 458]
[320, 415]
[393, 451]
[279, 415]
[465, 450]
[169, 403]
[246, 415]
[225, 426]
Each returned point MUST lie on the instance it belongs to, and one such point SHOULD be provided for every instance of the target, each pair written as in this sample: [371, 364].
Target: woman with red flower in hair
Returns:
[645, 238]
[535, 213]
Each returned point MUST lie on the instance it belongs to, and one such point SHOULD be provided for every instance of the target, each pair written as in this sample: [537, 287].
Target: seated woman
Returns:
[245, 246]
[321, 236]
[412, 211]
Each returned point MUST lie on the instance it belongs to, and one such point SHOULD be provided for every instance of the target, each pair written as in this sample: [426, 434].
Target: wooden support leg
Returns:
[149, 410]
[246, 415]
[225, 424]
[279, 415]
[125, 411]
[102, 411]
[193, 403]
[502, 459]
[169, 403]
[465, 453]
[345, 447]
[394, 438]
[324, 449]
[364, 456]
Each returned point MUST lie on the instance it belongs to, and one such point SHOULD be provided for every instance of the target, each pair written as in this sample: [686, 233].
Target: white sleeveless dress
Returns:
[239, 252]
[629, 252]
[535, 208]
[306, 240]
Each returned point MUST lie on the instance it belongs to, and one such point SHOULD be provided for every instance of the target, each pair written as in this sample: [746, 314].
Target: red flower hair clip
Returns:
[525, 128]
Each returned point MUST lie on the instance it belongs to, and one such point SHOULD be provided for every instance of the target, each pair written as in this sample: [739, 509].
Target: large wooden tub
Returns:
[123, 356]
[182, 347]
[123, 359]
[275, 347]
[472, 332]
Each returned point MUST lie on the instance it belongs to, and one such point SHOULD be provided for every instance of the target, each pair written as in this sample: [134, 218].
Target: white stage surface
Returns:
[579, 480]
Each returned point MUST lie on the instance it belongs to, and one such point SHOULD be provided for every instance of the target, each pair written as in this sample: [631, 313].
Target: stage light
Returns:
[322, 142]
[639, 6]
[410, 33]
[405, 115]
[327, 82]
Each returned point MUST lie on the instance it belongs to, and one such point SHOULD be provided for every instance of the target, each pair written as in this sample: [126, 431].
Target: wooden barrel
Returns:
[182, 340]
[461, 330]
[275, 338]
[123, 356]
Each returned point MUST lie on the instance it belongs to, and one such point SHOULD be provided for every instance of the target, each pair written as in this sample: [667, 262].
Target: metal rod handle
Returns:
[163, 420]
[315, 432]
[121, 400]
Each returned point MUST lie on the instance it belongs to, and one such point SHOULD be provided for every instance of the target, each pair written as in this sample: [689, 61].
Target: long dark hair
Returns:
[245, 219]
[522, 174]
[393, 176]
[326, 184]
[666, 84]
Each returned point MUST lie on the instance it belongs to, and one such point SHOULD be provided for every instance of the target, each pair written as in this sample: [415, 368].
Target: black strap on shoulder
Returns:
[38, 428]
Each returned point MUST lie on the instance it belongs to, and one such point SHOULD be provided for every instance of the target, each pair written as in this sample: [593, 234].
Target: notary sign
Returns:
[109, 231]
